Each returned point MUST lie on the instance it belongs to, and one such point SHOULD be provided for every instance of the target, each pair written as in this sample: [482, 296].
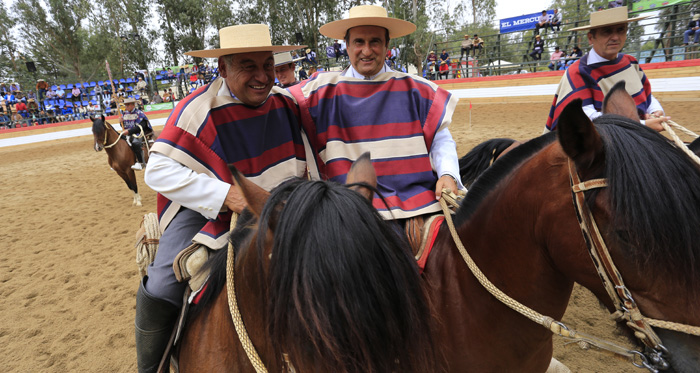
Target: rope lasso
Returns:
[677, 140]
[243, 337]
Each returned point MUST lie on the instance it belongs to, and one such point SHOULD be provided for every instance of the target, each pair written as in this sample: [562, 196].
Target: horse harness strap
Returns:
[104, 142]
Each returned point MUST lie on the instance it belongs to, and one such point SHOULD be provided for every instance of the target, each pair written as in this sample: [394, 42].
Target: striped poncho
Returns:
[206, 131]
[395, 117]
[591, 83]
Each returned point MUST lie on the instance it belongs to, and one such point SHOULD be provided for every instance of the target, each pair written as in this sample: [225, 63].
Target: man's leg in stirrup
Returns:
[137, 147]
[159, 297]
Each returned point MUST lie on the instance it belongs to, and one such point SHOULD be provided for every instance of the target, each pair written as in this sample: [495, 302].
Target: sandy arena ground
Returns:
[68, 277]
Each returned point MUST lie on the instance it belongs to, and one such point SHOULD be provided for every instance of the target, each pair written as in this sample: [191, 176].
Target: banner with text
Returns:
[647, 5]
[520, 23]
[154, 107]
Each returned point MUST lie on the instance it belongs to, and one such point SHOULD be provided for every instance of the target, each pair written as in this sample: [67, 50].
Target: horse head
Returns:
[99, 132]
[648, 218]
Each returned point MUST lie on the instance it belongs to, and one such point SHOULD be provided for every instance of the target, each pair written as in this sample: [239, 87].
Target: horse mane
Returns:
[343, 293]
[654, 196]
[488, 180]
[332, 248]
[477, 160]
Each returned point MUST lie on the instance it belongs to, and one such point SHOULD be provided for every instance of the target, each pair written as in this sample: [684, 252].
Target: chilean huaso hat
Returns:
[367, 15]
[608, 17]
[243, 39]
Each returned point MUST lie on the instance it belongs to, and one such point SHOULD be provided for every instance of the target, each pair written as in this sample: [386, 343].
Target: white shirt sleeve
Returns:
[655, 105]
[591, 112]
[197, 192]
[443, 155]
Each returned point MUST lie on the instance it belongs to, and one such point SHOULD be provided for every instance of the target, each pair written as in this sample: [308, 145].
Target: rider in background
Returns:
[133, 116]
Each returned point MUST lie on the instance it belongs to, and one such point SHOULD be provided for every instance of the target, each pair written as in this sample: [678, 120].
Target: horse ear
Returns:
[92, 118]
[102, 117]
[580, 140]
[255, 196]
[619, 102]
[362, 172]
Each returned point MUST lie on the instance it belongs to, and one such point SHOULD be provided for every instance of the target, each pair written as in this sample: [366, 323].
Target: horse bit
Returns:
[626, 308]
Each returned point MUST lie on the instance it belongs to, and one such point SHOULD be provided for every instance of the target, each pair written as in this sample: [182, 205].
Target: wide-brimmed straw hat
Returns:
[367, 15]
[243, 39]
[129, 100]
[283, 58]
[696, 17]
[608, 17]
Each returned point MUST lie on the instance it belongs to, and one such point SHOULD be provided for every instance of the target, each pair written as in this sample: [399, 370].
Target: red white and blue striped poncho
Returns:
[205, 132]
[591, 83]
[394, 116]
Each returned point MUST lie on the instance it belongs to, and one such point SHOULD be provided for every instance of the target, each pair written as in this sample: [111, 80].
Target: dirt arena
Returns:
[68, 277]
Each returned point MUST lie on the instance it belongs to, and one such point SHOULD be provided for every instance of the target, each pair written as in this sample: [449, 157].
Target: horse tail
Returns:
[343, 294]
[481, 157]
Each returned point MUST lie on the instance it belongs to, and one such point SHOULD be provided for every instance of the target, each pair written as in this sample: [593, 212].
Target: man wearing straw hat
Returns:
[130, 121]
[240, 119]
[284, 70]
[593, 75]
[401, 119]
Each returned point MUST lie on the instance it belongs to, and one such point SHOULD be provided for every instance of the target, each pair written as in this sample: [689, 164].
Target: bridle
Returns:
[626, 308]
[104, 142]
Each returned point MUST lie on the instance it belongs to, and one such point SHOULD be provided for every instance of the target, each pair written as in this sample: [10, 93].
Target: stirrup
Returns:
[137, 166]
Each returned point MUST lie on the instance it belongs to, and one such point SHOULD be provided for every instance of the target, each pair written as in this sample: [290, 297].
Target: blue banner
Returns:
[521, 23]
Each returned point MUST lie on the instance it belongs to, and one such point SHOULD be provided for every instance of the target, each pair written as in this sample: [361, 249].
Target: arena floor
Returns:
[68, 277]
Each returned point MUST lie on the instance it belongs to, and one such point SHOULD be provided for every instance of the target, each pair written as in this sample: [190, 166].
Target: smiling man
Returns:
[238, 118]
[401, 119]
[591, 77]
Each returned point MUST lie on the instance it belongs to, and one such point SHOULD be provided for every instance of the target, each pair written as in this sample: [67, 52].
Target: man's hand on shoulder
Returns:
[444, 182]
[234, 200]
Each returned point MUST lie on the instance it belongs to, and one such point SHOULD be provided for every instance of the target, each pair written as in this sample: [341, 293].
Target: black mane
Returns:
[655, 194]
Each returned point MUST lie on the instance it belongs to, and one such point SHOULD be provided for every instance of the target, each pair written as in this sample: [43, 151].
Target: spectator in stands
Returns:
[76, 93]
[50, 94]
[3, 88]
[157, 99]
[444, 64]
[172, 95]
[601, 68]
[30, 94]
[66, 113]
[395, 52]
[576, 53]
[336, 50]
[615, 3]
[60, 93]
[200, 75]
[693, 28]
[98, 92]
[9, 98]
[311, 57]
[477, 43]
[465, 47]
[556, 20]
[432, 65]
[32, 107]
[554, 59]
[537, 49]
[14, 88]
[4, 118]
[302, 74]
[21, 107]
[284, 70]
[167, 96]
[41, 88]
[141, 86]
[193, 80]
[542, 23]
[82, 112]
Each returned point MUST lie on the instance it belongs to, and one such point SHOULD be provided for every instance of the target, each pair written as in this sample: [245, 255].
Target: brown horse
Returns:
[322, 282]
[120, 157]
[519, 225]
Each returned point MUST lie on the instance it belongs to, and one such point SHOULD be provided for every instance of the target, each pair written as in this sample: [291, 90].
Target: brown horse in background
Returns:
[120, 157]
